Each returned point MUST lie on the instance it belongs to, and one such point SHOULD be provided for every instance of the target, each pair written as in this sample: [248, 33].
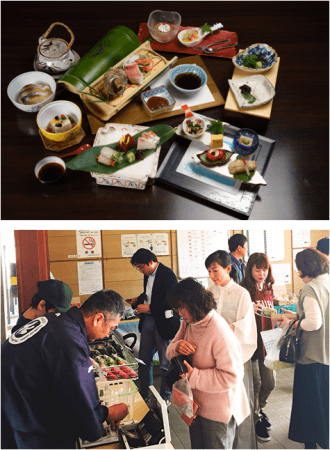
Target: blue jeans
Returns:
[150, 343]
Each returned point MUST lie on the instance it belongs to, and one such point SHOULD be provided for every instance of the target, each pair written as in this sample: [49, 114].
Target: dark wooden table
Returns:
[297, 174]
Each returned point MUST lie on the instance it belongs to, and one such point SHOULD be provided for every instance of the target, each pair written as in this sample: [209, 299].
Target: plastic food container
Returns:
[164, 25]
[121, 391]
[156, 107]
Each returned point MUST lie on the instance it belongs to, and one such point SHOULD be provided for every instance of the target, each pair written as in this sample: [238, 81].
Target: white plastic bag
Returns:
[182, 397]
[271, 339]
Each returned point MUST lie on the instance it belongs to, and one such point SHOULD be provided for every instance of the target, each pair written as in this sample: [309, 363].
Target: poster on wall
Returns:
[301, 238]
[90, 278]
[270, 242]
[89, 244]
[146, 241]
[129, 245]
[160, 244]
[194, 246]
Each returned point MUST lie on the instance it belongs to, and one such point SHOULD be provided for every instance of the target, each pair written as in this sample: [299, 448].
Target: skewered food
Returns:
[238, 166]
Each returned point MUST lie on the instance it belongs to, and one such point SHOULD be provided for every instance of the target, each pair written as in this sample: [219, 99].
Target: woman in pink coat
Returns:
[216, 373]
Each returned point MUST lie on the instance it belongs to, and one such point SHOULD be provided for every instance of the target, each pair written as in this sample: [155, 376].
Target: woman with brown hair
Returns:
[309, 421]
[258, 280]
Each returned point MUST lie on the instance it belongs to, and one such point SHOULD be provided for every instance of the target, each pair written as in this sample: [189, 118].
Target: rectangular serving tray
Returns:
[168, 174]
[105, 110]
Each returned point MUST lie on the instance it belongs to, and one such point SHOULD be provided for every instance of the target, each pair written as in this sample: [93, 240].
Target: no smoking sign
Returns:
[89, 244]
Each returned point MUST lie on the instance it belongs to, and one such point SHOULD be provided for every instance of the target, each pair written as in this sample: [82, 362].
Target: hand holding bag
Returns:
[289, 351]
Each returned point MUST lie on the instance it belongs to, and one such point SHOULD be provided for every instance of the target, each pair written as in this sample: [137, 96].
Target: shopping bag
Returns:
[270, 339]
[182, 397]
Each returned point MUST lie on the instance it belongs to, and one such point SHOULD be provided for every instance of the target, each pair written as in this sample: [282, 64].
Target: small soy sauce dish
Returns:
[49, 170]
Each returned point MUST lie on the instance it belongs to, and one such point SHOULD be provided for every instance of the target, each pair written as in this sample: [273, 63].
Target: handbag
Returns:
[289, 350]
[176, 369]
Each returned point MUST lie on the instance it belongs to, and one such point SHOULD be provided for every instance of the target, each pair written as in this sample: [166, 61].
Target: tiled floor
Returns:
[278, 410]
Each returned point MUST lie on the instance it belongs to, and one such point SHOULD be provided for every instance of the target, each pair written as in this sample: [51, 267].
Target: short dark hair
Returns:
[311, 263]
[323, 245]
[36, 300]
[235, 241]
[224, 259]
[143, 256]
[189, 293]
[105, 301]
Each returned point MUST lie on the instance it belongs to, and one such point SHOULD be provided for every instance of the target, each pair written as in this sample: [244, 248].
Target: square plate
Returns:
[261, 88]
[238, 197]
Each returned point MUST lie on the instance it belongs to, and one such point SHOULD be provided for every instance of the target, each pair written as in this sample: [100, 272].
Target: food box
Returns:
[105, 110]
[137, 176]
[111, 393]
[112, 360]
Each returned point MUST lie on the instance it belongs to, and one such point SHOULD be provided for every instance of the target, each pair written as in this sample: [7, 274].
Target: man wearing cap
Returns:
[52, 296]
[49, 397]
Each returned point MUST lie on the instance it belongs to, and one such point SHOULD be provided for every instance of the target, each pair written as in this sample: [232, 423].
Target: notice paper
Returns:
[90, 278]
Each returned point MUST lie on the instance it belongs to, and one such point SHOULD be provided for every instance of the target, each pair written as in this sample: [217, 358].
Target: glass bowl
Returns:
[247, 148]
[169, 23]
[162, 92]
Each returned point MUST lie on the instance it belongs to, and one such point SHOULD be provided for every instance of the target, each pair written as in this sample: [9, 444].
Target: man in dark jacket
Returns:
[48, 392]
[158, 322]
[238, 246]
[51, 296]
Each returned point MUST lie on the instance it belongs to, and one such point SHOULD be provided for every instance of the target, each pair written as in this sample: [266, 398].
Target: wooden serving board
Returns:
[105, 110]
[135, 113]
[263, 111]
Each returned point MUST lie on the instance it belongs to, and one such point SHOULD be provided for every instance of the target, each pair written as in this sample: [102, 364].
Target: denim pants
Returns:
[150, 343]
[206, 433]
[263, 384]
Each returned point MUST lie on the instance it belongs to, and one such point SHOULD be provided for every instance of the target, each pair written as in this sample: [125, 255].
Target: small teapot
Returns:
[54, 55]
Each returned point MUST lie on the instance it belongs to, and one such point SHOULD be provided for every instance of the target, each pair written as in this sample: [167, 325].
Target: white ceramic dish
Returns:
[194, 137]
[30, 78]
[201, 35]
[137, 176]
[48, 160]
[257, 179]
[261, 88]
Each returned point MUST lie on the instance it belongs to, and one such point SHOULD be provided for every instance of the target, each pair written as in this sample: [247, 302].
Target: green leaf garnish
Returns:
[206, 28]
[243, 176]
[249, 97]
[87, 161]
[250, 61]
[216, 127]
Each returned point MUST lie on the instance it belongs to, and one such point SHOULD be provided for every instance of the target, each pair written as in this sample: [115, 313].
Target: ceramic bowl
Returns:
[53, 175]
[264, 50]
[48, 112]
[190, 43]
[22, 80]
[242, 149]
[261, 88]
[188, 68]
[160, 91]
[171, 18]
[185, 127]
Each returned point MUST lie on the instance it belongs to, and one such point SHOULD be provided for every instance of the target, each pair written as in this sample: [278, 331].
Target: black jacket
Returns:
[48, 392]
[165, 279]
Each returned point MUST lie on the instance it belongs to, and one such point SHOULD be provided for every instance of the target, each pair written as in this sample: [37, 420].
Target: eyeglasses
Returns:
[139, 266]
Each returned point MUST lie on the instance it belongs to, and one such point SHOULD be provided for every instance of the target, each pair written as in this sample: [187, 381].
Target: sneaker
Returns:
[265, 420]
[261, 432]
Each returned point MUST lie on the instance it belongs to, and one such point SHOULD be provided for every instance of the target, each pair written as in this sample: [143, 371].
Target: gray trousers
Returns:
[206, 433]
[263, 384]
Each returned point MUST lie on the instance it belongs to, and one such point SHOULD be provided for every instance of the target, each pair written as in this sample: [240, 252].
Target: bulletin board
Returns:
[117, 273]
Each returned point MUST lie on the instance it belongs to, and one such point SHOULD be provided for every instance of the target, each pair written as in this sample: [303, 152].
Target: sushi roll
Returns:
[148, 141]
[105, 158]
[133, 72]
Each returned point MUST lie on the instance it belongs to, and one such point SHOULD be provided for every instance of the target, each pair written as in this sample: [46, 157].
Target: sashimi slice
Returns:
[133, 73]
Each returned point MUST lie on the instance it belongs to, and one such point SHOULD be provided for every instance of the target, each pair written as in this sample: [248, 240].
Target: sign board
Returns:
[89, 244]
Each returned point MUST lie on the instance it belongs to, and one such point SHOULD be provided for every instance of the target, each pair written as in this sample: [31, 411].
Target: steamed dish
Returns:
[31, 94]
[60, 124]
